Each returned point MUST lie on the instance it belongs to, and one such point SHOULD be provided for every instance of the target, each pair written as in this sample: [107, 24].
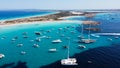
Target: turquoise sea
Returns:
[39, 57]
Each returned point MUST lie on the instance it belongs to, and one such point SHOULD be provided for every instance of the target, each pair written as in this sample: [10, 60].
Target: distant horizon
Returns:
[59, 4]
[61, 9]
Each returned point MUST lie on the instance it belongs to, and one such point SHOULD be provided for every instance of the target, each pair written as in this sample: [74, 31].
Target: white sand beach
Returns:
[40, 22]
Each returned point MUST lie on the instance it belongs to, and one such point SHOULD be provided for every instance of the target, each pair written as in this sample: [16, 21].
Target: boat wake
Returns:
[107, 34]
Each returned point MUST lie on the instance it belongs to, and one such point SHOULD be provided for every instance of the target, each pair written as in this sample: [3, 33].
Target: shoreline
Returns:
[51, 22]
[58, 16]
[41, 22]
[53, 17]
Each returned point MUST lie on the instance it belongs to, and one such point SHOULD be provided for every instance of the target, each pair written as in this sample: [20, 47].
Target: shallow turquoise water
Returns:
[36, 57]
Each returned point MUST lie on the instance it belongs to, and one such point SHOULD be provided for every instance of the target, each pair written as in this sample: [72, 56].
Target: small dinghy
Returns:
[2, 56]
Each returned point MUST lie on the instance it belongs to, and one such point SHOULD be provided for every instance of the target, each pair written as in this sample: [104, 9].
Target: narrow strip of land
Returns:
[52, 17]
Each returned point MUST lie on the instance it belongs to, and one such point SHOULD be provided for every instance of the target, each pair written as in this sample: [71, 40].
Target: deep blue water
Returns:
[103, 53]
[109, 21]
[11, 14]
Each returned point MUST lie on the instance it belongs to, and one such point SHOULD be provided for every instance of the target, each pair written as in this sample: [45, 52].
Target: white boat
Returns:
[69, 61]
[56, 41]
[60, 29]
[2, 56]
[53, 50]
[19, 45]
[90, 62]
[38, 39]
[80, 36]
[95, 35]
[36, 46]
[22, 52]
[31, 40]
[81, 46]
[110, 39]
[13, 39]
[88, 40]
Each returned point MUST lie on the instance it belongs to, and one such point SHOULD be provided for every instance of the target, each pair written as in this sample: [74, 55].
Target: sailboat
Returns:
[69, 61]
[81, 36]
[88, 40]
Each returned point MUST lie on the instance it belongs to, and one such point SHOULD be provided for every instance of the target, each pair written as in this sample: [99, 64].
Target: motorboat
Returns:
[110, 39]
[94, 35]
[31, 40]
[81, 46]
[13, 39]
[80, 36]
[25, 36]
[19, 45]
[53, 50]
[22, 52]
[36, 46]
[2, 56]
[56, 41]
[89, 62]
[38, 33]
[38, 39]
[60, 29]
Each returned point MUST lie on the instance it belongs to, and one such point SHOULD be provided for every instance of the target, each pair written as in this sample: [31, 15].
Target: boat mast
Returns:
[89, 31]
[68, 49]
[81, 29]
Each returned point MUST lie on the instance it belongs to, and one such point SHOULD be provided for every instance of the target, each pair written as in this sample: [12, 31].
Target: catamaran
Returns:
[69, 61]
[88, 40]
